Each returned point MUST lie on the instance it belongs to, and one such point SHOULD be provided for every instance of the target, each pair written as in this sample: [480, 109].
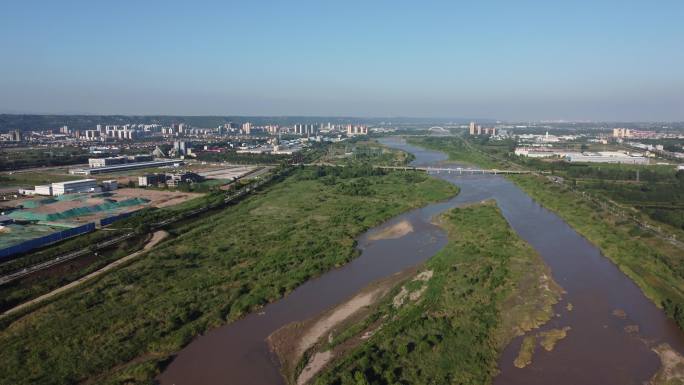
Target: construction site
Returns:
[33, 222]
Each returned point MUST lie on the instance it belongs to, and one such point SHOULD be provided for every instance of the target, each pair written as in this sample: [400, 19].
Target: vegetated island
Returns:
[446, 322]
[653, 263]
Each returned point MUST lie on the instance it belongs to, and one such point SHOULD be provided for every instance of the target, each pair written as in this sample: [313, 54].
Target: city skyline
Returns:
[601, 61]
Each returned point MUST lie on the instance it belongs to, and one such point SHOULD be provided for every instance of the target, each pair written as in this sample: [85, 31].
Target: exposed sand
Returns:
[341, 313]
[393, 232]
[672, 366]
[415, 295]
[292, 341]
[316, 363]
[547, 339]
[157, 198]
[620, 313]
[550, 338]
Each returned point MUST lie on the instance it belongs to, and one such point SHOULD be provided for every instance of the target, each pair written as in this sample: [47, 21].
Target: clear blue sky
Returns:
[579, 59]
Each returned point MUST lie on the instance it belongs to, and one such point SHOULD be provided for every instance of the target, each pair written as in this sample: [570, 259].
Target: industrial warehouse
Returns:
[125, 167]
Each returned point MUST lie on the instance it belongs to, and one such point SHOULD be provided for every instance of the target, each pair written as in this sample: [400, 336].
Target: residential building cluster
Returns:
[354, 130]
[475, 129]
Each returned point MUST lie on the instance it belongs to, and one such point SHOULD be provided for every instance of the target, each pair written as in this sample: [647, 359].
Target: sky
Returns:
[509, 60]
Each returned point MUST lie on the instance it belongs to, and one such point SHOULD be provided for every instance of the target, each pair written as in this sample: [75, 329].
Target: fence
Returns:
[112, 219]
[45, 240]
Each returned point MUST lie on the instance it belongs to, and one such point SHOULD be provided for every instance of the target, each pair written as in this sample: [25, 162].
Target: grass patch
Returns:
[123, 327]
[475, 295]
[655, 265]
[524, 358]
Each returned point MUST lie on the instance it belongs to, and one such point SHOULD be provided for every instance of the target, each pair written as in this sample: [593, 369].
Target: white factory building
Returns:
[74, 186]
[70, 187]
[606, 157]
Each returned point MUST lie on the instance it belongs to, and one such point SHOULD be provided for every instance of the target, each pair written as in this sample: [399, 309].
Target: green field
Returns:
[31, 179]
[470, 308]
[123, 326]
[18, 158]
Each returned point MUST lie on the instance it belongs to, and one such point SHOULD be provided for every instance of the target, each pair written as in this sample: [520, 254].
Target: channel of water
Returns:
[597, 349]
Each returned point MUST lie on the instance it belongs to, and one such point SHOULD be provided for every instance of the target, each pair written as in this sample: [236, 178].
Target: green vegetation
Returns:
[657, 191]
[550, 338]
[547, 339]
[123, 326]
[357, 151]
[654, 264]
[527, 347]
[449, 324]
[20, 291]
[18, 158]
[30, 179]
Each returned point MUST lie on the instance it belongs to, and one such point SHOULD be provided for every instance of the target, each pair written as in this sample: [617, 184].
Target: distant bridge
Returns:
[456, 170]
[439, 130]
[436, 170]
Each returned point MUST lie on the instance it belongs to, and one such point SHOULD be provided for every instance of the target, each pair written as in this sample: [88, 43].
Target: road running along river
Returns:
[597, 349]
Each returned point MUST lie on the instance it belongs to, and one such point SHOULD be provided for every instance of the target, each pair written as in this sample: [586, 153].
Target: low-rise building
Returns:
[74, 186]
[104, 162]
[606, 157]
[110, 185]
[535, 152]
[173, 180]
[124, 167]
[45, 189]
[151, 180]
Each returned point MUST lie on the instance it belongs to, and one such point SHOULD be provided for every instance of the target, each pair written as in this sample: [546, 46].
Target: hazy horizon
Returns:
[528, 61]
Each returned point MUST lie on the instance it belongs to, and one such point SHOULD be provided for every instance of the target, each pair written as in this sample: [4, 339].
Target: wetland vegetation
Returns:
[124, 326]
[451, 321]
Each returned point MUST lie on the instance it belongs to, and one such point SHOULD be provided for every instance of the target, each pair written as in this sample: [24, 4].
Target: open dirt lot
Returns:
[157, 198]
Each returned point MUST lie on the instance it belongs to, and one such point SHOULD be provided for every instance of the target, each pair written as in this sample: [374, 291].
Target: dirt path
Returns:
[156, 238]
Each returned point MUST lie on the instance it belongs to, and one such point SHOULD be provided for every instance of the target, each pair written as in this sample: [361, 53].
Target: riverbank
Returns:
[448, 323]
[654, 264]
[128, 324]
[302, 347]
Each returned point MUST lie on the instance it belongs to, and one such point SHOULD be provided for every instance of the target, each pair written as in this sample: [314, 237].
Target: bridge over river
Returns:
[457, 170]
[437, 169]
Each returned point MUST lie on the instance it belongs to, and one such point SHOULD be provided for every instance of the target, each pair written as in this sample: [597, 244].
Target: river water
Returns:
[597, 349]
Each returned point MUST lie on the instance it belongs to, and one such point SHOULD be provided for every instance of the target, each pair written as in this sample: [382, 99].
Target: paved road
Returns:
[156, 238]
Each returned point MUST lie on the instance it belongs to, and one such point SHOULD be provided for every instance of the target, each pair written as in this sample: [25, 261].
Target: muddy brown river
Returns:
[597, 349]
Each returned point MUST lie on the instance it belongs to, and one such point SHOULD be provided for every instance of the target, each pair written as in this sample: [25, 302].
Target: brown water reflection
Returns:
[597, 350]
